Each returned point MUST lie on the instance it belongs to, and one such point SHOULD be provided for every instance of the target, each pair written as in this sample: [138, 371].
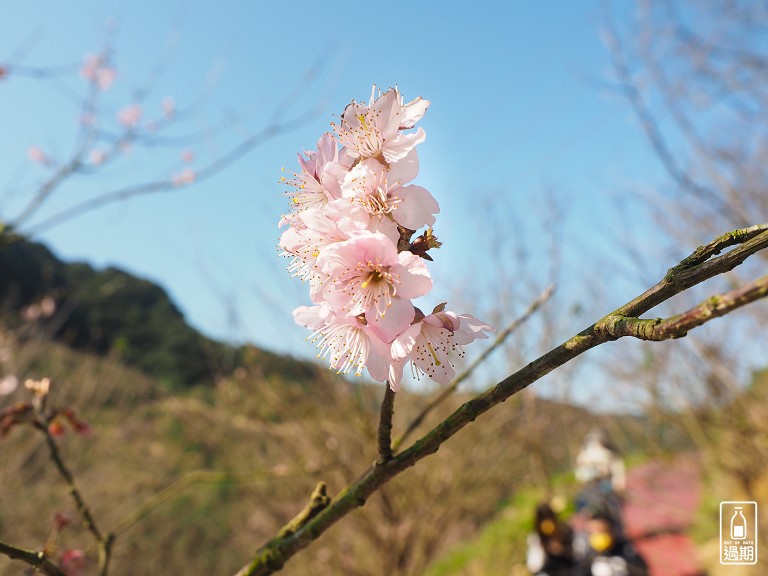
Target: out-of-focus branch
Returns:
[692, 271]
[190, 479]
[36, 559]
[653, 132]
[104, 541]
[451, 388]
[166, 184]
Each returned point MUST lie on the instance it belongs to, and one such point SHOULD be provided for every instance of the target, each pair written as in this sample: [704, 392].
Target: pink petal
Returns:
[413, 112]
[417, 207]
[313, 317]
[404, 343]
[395, 321]
[415, 280]
[386, 111]
[386, 226]
[471, 329]
[403, 171]
[397, 148]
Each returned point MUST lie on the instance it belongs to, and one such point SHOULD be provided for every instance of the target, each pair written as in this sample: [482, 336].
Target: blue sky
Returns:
[521, 104]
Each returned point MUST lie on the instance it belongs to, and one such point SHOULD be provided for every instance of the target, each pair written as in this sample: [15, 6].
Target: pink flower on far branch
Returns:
[129, 116]
[73, 562]
[95, 69]
[184, 178]
[36, 155]
[169, 107]
[8, 384]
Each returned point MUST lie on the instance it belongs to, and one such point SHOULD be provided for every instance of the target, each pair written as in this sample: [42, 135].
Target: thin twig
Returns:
[104, 541]
[37, 559]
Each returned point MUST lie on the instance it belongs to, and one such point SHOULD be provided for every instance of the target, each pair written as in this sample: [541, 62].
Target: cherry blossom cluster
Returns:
[350, 236]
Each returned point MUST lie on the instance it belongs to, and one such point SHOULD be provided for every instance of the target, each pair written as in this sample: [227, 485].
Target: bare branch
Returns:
[104, 541]
[659, 329]
[36, 559]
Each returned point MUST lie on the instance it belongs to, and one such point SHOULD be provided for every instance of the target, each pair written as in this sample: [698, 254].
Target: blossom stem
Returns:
[384, 436]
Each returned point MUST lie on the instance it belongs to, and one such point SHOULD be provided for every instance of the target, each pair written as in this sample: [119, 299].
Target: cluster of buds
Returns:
[36, 413]
[354, 213]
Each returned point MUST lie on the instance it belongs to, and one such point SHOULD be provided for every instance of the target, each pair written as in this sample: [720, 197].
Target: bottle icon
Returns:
[738, 525]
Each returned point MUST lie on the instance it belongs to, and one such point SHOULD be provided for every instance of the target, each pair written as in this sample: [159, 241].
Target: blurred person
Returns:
[600, 470]
[602, 550]
[599, 459]
[550, 546]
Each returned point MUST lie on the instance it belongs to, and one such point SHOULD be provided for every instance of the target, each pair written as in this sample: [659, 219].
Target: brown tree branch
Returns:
[659, 329]
[384, 435]
[104, 541]
[36, 559]
[697, 268]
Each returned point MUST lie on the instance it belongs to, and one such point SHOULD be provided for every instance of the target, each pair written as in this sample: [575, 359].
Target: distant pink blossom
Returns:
[73, 562]
[129, 116]
[187, 156]
[184, 178]
[96, 157]
[169, 107]
[8, 384]
[36, 155]
[95, 69]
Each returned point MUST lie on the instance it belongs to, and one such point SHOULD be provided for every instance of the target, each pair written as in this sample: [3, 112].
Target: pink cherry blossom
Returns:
[306, 241]
[73, 562]
[8, 384]
[432, 343]
[129, 116]
[380, 192]
[369, 274]
[184, 178]
[320, 176]
[169, 107]
[349, 234]
[346, 339]
[376, 130]
[36, 155]
[96, 69]
[96, 157]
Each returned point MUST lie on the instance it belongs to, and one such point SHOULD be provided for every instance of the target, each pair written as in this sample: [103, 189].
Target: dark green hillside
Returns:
[111, 312]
